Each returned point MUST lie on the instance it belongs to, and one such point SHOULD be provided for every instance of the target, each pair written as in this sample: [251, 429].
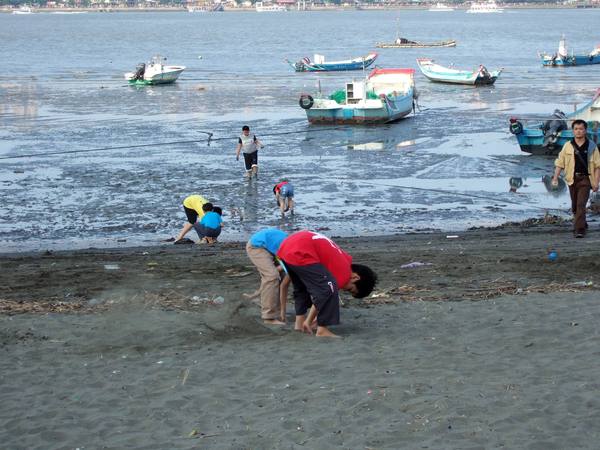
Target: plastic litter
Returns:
[415, 264]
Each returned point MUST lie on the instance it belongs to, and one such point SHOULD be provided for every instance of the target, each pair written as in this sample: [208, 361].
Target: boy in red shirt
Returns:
[318, 268]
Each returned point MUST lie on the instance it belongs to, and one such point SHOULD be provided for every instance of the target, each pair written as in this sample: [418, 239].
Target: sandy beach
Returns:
[157, 348]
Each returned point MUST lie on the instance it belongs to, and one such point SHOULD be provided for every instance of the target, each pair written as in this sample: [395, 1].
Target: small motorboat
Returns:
[440, 7]
[562, 58]
[24, 9]
[154, 72]
[401, 42]
[548, 135]
[386, 95]
[478, 77]
[320, 65]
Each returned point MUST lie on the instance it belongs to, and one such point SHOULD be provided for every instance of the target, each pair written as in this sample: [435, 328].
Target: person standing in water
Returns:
[248, 145]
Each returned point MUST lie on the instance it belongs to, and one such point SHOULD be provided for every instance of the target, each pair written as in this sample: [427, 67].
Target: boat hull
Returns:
[440, 74]
[167, 77]
[391, 110]
[532, 141]
[569, 61]
[416, 45]
[548, 137]
[357, 64]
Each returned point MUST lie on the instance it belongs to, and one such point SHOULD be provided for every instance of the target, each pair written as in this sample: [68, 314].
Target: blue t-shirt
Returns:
[270, 239]
[212, 220]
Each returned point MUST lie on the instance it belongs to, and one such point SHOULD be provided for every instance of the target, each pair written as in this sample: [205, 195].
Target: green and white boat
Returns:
[154, 72]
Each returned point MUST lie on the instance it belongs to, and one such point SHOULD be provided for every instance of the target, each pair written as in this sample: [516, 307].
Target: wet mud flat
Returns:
[156, 347]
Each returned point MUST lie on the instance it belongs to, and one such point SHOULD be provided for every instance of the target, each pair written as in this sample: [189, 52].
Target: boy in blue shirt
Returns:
[261, 249]
[210, 226]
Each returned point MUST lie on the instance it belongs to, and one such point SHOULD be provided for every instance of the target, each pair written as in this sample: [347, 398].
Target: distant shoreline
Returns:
[322, 8]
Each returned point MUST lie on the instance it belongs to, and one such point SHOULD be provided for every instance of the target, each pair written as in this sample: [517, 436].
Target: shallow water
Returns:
[446, 168]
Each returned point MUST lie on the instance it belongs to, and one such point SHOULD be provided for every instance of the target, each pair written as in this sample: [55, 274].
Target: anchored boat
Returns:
[154, 72]
[549, 136]
[401, 42]
[562, 58]
[320, 65]
[478, 77]
[386, 95]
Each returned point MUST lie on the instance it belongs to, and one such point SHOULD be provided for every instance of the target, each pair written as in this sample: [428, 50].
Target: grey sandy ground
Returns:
[143, 366]
[514, 372]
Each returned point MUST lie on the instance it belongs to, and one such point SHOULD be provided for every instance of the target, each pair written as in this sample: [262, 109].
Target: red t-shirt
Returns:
[278, 187]
[306, 247]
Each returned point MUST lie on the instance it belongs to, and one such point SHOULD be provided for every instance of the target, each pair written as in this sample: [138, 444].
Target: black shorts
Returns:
[314, 285]
[191, 214]
[250, 159]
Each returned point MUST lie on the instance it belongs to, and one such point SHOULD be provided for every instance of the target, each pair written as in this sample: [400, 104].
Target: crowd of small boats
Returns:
[389, 94]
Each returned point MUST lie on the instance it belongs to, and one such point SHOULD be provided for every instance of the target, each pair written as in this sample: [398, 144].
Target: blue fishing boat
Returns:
[478, 77]
[320, 65]
[547, 137]
[562, 58]
[386, 95]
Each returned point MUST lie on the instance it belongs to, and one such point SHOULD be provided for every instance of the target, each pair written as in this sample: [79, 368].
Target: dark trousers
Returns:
[314, 285]
[580, 193]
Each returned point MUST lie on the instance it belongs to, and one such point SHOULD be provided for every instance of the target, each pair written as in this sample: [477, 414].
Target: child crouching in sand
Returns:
[210, 226]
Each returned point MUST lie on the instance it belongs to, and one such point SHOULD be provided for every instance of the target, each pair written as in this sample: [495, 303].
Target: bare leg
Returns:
[299, 323]
[255, 171]
[186, 228]
[291, 205]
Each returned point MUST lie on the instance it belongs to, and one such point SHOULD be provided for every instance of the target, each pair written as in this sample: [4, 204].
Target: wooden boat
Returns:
[548, 135]
[386, 95]
[562, 58]
[320, 65]
[405, 43]
[478, 77]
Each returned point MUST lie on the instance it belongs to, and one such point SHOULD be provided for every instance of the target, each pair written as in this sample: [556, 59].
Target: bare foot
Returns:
[273, 322]
[324, 332]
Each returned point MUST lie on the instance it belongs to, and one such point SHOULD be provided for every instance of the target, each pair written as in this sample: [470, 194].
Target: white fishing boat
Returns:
[440, 7]
[268, 7]
[484, 8]
[154, 72]
[24, 9]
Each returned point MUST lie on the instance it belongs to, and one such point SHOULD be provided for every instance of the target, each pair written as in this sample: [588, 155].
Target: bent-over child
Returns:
[192, 206]
[318, 268]
[261, 249]
[284, 194]
[210, 226]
